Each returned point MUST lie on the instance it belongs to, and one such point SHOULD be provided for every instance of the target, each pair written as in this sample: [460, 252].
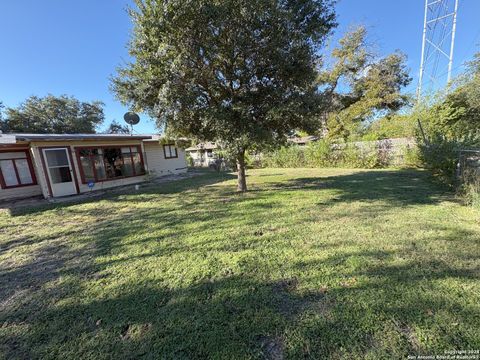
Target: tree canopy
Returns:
[453, 113]
[236, 71]
[116, 128]
[359, 86]
[52, 114]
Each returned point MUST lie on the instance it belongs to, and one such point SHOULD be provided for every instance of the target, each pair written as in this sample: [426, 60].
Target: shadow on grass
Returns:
[173, 187]
[54, 305]
[398, 187]
[244, 316]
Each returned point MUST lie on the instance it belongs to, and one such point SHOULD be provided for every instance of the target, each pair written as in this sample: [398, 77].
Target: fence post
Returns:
[423, 133]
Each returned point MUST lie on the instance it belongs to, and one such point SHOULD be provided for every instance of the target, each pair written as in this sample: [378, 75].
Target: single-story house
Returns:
[56, 165]
[203, 154]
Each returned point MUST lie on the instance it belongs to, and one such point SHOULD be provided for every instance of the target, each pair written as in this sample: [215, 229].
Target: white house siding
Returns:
[158, 165]
[196, 157]
[41, 176]
[202, 158]
[20, 192]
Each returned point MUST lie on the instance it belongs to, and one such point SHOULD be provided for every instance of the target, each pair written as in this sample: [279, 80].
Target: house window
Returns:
[170, 151]
[108, 163]
[16, 169]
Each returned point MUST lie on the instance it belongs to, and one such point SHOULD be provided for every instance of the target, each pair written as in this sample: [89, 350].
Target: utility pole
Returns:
[438, 42]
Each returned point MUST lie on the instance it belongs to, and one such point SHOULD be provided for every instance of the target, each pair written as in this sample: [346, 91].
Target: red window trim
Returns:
[165, 153]
[82, 174]
[28, 157]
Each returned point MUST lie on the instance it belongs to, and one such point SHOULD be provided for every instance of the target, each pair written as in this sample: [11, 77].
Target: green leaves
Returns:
[359, 87]
[52, 114]
[238, 71]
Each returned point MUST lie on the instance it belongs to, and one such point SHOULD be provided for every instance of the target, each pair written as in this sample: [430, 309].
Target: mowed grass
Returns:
[311, 263]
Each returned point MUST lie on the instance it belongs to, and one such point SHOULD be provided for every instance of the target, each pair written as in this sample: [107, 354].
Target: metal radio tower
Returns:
[437, 44]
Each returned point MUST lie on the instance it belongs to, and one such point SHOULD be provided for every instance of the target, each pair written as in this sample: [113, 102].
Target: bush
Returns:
[411, 157]
[470, 193]
[360, 157]
[285, 157]
[320, 154]
[469, 179]
[324, 153]
[189, 160]
[440, 156]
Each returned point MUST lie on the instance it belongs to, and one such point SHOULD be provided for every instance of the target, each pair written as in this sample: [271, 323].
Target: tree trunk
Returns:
[242, 181]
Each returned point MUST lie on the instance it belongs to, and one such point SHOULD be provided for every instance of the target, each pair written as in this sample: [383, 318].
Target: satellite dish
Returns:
[131, 118]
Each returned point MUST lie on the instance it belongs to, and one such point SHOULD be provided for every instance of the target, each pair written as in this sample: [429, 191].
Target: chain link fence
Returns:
[468, 168]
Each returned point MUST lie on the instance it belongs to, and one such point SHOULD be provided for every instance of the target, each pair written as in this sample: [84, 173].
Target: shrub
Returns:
[440, 156]
[360, 157]
[469, 190]
[285, 157]
[324, 153]
[320, 154]
[189, 160]
[411, 157]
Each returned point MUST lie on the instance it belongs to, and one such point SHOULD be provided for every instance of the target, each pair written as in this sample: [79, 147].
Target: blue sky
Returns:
[73, 47]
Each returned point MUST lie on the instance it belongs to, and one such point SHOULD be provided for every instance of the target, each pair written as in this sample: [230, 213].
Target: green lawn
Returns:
[315, 263]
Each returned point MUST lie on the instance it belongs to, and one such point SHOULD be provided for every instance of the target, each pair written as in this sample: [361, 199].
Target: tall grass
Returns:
[325, 153]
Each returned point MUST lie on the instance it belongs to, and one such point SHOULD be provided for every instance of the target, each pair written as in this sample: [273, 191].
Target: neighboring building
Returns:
[203, 155]
[303, 141]
[55, 165]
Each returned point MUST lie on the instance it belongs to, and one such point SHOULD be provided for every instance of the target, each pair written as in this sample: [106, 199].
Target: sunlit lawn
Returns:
[313, 263]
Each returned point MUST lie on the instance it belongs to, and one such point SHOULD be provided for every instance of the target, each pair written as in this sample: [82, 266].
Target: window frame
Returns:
[82, 174]
[27, 157]
[165, 151]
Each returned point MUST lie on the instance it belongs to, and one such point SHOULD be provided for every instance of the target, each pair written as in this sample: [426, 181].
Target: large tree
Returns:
[52, 114]
[360, 86]
[237, 71]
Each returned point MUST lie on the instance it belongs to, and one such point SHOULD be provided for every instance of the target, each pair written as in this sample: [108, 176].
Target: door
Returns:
[60, 172]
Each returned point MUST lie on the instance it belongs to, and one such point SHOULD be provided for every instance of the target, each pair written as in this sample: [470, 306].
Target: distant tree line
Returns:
[56, 114]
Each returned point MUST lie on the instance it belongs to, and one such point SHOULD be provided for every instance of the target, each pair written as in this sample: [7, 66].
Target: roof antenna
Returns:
[131, 118]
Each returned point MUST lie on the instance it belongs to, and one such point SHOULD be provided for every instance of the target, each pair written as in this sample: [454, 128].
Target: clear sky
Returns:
[73, 47]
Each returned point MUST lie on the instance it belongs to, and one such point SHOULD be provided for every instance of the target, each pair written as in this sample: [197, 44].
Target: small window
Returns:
[16, 169]
[170, 151]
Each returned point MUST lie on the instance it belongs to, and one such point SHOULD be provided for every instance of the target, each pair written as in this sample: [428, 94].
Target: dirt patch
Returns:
[272, 347]
[409, 334]
[287, 285]
[291, 303]
[131, 331]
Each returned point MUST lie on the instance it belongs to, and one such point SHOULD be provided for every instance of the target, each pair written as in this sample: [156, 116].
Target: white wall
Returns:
[20, 192]
[200, 158]
[158, 165]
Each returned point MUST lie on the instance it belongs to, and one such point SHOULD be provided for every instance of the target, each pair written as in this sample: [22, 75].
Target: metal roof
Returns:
[203, 146]
[304, 140]
[67, 137]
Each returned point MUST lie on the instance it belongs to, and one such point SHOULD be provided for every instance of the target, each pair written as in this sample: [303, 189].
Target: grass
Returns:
[311, 263]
